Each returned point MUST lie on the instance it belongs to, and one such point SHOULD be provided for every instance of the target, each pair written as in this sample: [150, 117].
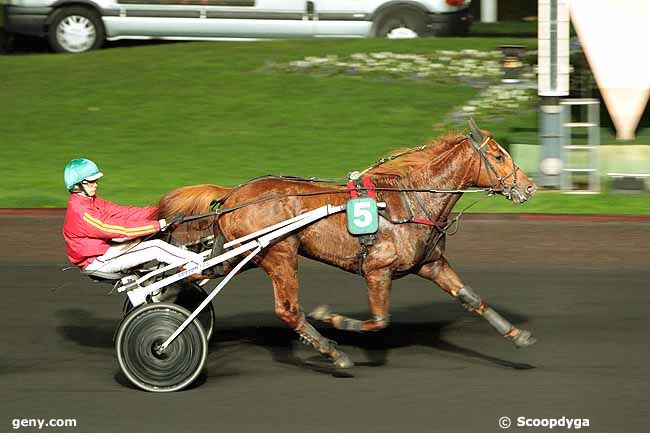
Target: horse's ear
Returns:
[475, 135]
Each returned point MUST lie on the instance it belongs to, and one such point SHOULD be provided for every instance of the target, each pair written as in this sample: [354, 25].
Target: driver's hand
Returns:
[172, 222]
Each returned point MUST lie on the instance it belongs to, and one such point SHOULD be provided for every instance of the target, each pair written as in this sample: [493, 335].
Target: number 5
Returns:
[361, 213]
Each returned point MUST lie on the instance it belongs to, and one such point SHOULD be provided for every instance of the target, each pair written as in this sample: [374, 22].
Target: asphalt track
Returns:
[581, 287]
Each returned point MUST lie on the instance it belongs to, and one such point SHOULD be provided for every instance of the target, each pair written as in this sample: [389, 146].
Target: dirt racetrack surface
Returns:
[581, 287]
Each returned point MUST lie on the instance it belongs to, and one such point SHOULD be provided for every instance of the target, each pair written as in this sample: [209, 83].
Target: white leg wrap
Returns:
[469, 298]
[497, 321]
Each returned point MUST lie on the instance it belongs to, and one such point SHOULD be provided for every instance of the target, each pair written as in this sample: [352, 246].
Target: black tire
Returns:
[405, 17]
[190, 297]
[75, 29]
[145, 329]
[6, 41]
[453, 24]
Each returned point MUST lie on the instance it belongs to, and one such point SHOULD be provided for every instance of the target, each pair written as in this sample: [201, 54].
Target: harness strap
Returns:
[217, 250]
[408, 206]
[427, 222]
[366, 182]
[435, 236]
[352, 189]
[362, 187]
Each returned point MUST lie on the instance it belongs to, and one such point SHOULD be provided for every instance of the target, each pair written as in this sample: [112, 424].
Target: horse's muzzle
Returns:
[517, 196]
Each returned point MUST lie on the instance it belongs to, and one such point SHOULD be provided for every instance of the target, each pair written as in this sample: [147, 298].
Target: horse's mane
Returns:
[414, 158]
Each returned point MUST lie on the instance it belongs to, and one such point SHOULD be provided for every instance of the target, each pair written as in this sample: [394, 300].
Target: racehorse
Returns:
[420, 186]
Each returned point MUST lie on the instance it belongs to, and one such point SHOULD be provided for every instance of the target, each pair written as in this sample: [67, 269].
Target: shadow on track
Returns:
[200, 380]
[410, 327]
[80, 326]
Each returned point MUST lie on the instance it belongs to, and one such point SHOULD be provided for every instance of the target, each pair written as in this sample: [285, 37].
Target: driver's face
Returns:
[90, 186]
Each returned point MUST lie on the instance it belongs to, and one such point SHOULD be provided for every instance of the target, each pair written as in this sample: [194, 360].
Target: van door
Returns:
[343, 18]
[210, 19]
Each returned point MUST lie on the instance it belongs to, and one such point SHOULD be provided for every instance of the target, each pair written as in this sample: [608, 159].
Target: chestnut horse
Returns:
[410, 238]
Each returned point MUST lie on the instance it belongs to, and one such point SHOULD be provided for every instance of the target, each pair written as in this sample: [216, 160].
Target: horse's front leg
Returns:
[379, 284]
[441, 273]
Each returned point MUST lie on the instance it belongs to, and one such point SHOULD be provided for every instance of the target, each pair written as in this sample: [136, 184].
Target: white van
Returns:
[80, 25]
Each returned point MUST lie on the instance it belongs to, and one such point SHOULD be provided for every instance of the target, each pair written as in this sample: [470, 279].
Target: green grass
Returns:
[158, 117]
[501, 28]
[556, 202]
[521, 29]
[527, 132]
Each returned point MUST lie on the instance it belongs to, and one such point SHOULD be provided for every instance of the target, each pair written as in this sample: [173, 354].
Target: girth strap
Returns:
[438, 235]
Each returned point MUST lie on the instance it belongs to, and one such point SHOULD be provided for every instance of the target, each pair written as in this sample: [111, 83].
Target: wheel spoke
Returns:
[76, 33]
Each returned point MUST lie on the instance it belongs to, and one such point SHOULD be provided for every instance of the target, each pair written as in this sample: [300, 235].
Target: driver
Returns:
[103, 236]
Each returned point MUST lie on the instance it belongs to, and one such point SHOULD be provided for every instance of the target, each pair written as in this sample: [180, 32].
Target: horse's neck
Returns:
[448, 171]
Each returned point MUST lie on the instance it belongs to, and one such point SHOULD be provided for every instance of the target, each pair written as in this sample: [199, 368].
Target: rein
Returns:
[221, 211]
[502, 188]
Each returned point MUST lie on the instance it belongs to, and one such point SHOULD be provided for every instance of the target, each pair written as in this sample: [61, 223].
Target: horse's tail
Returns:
[191, 200]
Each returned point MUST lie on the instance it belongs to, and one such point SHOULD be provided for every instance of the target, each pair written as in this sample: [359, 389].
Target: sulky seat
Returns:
[107, 277]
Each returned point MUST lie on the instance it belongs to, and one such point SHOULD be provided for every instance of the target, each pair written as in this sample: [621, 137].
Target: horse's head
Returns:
[497, 169]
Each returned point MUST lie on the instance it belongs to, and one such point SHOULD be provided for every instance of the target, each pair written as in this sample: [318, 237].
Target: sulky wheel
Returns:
[144, 330]
[189, 297]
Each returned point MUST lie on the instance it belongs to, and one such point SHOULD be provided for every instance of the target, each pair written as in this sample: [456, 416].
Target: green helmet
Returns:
[78, 170]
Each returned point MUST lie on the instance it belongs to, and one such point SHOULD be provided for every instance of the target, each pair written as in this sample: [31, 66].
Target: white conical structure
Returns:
[615, 37]
[626, 107]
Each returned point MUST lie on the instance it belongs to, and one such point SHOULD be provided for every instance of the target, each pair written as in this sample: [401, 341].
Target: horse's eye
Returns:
[499, 158]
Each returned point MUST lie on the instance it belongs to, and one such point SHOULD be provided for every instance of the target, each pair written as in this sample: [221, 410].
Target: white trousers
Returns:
[127, 255]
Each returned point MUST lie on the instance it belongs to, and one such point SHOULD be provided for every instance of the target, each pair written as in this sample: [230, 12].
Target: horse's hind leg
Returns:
[281, 262]
[379, 284]
[441, 273]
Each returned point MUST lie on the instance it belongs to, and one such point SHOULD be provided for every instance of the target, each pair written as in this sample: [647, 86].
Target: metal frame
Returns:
[592, 125]
[254, 242]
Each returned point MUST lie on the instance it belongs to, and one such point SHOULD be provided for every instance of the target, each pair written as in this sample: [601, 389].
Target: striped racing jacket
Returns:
[92, 222]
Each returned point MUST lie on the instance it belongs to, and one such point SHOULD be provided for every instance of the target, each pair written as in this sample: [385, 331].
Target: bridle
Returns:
[478, 141]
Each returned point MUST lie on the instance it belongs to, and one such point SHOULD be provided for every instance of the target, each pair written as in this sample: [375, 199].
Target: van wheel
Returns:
[6, 41]
[402, 23]
[75, 30]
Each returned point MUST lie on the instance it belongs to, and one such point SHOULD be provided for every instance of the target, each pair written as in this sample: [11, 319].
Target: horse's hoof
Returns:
[322, 312]
[341, 360]
[524, 339]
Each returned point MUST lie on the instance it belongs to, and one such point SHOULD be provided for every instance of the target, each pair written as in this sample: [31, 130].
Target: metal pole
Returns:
[551, 139]
[489, 11]
[594, 141]
[553, 76]
[207, 300]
